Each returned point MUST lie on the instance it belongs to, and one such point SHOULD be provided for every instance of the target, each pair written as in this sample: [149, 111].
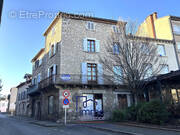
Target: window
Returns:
[90, 25]
[145, 49]
[50, 104]
[38, 78]
[178, 46]
[161, 50]
[115, 29]
[92, 72]
[91, 45]
[36, 64]
[148, 70]
[52, 50]
[53, 31]
[117, 74]
[176, 29]
[116, 48]
[165, 69]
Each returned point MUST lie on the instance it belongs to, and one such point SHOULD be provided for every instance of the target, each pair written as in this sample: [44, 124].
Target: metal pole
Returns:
[65, 117]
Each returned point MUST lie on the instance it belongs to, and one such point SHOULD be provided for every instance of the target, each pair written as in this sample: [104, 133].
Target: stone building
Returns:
[12, 101]
[22, 100]
[70, 61]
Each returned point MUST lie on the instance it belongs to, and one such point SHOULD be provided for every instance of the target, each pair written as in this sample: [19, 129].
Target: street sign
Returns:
[66, 93]
[66, 101]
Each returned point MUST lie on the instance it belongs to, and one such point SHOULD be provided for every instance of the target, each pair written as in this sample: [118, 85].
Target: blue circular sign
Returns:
[66, 101]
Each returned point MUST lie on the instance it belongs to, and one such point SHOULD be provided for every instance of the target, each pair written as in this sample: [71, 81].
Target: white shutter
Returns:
[85, 44]
[97, 46]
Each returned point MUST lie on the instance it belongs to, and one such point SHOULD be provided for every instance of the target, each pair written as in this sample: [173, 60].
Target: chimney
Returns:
[154, 15]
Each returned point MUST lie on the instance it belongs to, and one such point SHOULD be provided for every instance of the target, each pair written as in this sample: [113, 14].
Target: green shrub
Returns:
[119, 115]
[154, 112]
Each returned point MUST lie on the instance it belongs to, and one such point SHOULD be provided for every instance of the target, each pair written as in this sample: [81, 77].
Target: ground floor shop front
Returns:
[85, 103]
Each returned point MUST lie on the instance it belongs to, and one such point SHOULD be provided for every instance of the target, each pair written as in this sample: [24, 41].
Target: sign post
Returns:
[66, 102]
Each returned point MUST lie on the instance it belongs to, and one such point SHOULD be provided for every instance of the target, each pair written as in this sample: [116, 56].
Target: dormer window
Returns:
[90, 26]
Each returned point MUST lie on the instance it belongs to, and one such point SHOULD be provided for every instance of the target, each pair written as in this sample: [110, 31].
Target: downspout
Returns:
[174, 43]
[153, 27]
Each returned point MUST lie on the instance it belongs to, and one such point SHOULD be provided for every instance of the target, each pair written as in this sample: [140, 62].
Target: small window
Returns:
[115, 29]
[161, 50]
[178, 46]
[91, 45]
[50, 104]
[52, 50]
[36, 64]
[116, 48]
[53, 31]
[90, 25]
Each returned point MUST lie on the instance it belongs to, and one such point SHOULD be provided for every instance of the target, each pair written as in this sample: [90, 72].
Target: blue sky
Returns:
[21, 39]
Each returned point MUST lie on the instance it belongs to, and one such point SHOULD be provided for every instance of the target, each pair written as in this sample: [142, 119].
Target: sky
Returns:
[24, 22]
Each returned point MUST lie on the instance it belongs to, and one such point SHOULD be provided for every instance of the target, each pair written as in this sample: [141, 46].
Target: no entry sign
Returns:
[66, 93]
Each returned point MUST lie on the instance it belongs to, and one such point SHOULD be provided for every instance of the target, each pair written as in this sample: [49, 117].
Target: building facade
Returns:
[71, 61]
[3, 104]
[167, 27]
[22, 101]
[12, 101]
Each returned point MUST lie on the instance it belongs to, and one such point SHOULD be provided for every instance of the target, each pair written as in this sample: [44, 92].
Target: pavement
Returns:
[27, 126]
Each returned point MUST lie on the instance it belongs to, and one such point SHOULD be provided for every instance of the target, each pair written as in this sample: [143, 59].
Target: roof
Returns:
[80, 17]
[38, 54]
[23, 83]
[176, 18]
[150, 39]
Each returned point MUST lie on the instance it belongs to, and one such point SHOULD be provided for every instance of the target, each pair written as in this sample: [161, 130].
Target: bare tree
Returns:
[131, 60]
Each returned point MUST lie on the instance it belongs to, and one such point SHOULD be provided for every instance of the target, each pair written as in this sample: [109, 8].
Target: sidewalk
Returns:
[129, 130]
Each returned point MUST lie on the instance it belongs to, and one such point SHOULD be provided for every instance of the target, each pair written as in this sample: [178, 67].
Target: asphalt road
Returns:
[10, 126]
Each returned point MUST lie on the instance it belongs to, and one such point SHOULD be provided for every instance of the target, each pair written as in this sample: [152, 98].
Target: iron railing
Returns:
[72, 79]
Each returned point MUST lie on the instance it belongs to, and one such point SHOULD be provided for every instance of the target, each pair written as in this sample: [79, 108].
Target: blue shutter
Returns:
[97, 46]
[100, 74]
[84, 73]
[85, 44]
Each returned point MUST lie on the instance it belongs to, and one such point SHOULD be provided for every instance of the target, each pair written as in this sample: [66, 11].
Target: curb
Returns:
[143, 126]
[114, 131]
[43, 125]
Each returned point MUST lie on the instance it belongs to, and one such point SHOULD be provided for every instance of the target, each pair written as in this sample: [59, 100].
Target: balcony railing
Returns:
[72, 79]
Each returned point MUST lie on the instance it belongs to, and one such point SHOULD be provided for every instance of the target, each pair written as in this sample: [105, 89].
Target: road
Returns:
[11, 126]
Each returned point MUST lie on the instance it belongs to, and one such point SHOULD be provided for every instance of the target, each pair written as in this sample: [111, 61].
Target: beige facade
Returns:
[12, 104]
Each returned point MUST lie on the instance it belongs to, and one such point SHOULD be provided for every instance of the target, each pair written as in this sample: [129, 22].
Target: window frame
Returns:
[89, 46]
[92, 66]
[90, 25]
